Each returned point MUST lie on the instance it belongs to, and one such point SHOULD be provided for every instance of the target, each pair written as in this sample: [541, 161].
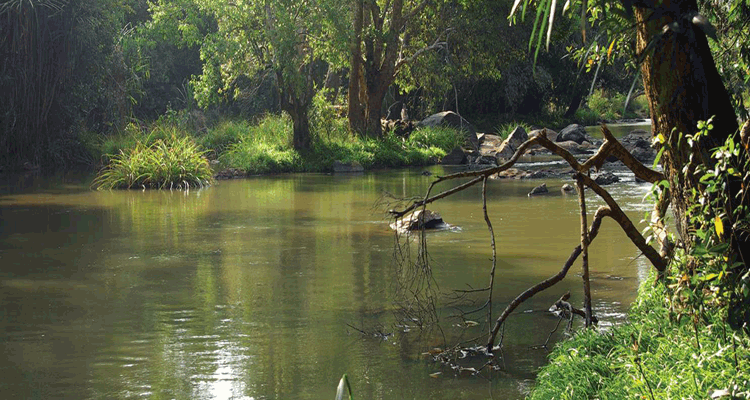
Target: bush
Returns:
[172, 162]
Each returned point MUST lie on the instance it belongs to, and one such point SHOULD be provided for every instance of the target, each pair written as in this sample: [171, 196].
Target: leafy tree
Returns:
[387, 35]
[287, 38]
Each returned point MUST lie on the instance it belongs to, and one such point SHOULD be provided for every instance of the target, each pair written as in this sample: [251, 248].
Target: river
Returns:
[258, 288]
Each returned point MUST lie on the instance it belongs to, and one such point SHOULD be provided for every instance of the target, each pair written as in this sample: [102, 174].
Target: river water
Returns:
[261, 288]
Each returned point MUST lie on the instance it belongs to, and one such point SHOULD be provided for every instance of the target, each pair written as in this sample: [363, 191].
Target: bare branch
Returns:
[549, 282]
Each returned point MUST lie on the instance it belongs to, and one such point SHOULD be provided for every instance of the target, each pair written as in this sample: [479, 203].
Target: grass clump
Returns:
[656, 355]
[156, 162]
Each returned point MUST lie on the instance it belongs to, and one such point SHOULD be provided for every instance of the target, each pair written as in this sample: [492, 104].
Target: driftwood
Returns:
[610, 147]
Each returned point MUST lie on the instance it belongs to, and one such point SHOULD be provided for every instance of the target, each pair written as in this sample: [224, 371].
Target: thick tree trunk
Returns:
[683, 87]
[301, 139]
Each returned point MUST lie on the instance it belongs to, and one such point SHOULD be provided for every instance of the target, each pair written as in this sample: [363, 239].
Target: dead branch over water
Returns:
[610, 147]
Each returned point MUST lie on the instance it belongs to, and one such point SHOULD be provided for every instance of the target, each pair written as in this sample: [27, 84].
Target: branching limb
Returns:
[549, 282]
[627, 225]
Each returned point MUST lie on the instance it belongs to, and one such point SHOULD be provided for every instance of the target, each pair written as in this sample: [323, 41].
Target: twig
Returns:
[584, 250]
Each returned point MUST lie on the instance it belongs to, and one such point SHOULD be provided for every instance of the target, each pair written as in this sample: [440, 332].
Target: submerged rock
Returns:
[541, 189]
[568, 188]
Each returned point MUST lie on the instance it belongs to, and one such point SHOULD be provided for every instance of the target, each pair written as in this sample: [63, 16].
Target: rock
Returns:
[453, 120]
[551, 135]
[568, 188]
[230, 173]
[342, 167]
[541, 189]
[575, 148]
[418, 220]
[455, 157]
[572, 132]
[485, 160]
[511, 144]
[426, 173]
[606, 178]
[540, 174]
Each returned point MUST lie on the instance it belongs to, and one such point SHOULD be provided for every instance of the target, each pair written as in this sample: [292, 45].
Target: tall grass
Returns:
[653, 356]
[157, 163]
[266, 147]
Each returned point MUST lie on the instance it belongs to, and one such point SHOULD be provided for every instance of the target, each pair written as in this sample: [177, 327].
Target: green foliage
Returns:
[712, 275]
[443, 138]
[266, 147]
[650, 357]
[162, 159]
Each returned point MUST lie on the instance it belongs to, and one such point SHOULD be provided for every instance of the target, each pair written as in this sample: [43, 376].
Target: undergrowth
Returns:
[652, 356]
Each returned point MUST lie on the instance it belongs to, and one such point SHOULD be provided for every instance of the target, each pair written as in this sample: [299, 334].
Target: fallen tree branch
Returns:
[549, 282]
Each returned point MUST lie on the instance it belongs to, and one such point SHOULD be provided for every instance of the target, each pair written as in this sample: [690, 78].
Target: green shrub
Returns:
[218, 139]
[174, 162]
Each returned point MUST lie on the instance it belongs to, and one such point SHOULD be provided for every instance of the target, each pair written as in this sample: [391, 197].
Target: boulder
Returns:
[541, 189]
[511, 144]
[568, 188]
[347, 167]
[418, 220]
[551, 135]
[606, 178]
[485, 160]
[572, 132]
[453, 120]
[455, 157]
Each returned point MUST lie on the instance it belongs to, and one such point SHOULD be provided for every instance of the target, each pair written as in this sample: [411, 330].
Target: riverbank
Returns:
[658, 354]
[240, 148]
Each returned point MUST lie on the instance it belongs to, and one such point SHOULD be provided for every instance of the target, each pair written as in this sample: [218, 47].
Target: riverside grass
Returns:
[652, 356]
[170, 157]
[266, 147]
[171, 162]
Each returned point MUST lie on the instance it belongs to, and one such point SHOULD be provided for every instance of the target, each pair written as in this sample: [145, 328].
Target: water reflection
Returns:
[246, 289]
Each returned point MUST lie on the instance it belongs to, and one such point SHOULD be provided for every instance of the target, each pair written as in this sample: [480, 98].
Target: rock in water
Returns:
[541, 189]
[568, 188]
[572, 132]
[417, 219]
[606, 178]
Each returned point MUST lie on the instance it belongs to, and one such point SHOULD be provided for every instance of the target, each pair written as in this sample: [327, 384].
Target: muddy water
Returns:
[255, 289]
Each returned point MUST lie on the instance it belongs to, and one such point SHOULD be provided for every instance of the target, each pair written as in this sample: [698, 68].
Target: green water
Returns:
[252, 289]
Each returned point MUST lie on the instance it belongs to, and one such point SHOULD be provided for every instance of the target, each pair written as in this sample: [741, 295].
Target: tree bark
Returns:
[683, 86]
[355, 110]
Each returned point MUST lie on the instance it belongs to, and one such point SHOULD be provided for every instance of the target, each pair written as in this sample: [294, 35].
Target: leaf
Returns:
[515, 6]
[551, 21]
[344, 387]
[609, 51]
[719, 225]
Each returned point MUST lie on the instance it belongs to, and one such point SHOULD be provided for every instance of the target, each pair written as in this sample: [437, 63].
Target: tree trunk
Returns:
[301, 137]
[683, 87]
[356, 110]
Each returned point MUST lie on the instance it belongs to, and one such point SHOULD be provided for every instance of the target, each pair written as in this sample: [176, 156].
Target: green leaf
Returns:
[344, 390]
